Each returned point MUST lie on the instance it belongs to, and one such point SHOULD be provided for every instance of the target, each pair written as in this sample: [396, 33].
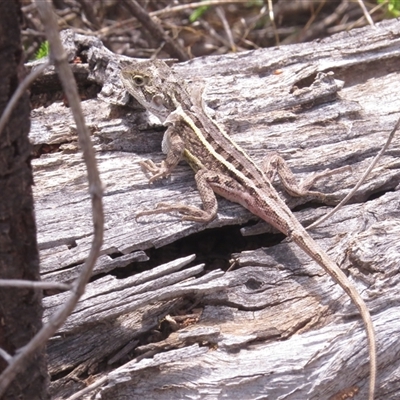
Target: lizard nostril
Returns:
[158, 99]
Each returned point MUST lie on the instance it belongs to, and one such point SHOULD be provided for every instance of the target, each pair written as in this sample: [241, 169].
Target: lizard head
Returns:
[153, 85]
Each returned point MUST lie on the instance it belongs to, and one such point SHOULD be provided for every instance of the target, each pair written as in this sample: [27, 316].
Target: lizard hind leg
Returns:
[274, 164]
[192, 213]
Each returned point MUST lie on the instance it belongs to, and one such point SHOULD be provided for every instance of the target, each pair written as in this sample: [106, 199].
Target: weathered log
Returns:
[277, 327]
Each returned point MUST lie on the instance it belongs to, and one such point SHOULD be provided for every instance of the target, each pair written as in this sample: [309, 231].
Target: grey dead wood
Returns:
[277, 326]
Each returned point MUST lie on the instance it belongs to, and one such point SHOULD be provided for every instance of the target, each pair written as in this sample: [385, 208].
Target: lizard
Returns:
[222, 167]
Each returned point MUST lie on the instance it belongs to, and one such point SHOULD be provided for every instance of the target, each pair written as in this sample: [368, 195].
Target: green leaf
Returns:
[393, 7]
[43, 51]
[197, 13]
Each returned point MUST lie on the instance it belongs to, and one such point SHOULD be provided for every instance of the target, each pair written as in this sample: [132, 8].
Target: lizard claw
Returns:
[158, 172]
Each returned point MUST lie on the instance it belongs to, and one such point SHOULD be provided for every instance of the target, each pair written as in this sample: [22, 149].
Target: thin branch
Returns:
[355, 24]
[23, 86]
[165, 12]
[89, 388]
[314, 15]
[366, 13]
[7, 357]
[172, 10]
[22, 357]
[87, 7]
[361, 180]
[221, 14]
[212, 33]
[322, 26]
[272, 19]
[34, 284]
[155, 30]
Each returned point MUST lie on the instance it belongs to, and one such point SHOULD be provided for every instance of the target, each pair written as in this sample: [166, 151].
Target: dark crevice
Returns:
[376, 195]
[60, 375]
[47, 89]
[44, 148]
[360, 73]
[213, 247]
[305, 82]
[115, 255]
[71, 245]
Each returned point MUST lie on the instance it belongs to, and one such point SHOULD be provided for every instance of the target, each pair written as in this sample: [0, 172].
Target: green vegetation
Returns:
[43, 51]
[393, 7]
[197, 13]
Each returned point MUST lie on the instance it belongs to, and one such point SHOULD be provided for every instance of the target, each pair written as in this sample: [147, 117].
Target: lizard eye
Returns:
[139, 80]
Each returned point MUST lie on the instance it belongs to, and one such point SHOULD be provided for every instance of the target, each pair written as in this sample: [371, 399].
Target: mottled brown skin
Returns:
[222, 167]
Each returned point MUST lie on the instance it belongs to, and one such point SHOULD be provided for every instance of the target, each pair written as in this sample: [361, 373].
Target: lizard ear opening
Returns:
[140, 80]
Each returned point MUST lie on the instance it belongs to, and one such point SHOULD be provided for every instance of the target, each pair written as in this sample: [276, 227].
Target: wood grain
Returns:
[277, 327]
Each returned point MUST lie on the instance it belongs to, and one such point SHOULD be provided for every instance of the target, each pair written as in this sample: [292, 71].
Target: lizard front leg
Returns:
[274, 164]
[192, 213]
[174, 147]
[208, 183]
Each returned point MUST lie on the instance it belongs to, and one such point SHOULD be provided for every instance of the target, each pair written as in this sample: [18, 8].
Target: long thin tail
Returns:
[306, 243]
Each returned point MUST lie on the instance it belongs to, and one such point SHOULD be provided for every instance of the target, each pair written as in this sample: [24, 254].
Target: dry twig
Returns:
[366, 13]
[361, 180]
[18, 93]
[20, 359]
[155, 30]
[21, 283]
